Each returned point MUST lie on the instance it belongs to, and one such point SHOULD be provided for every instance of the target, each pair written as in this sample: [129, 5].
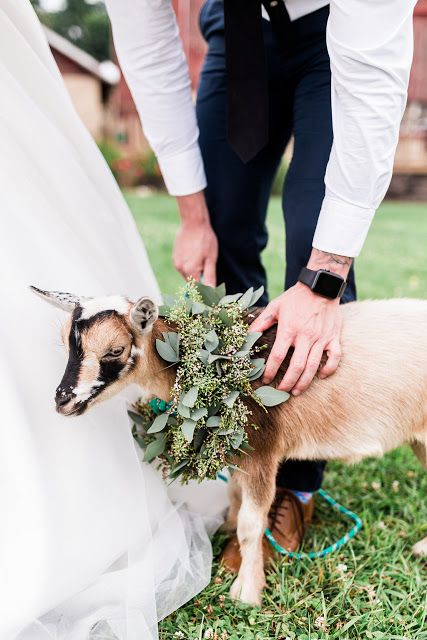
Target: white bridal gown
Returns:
[90, 545]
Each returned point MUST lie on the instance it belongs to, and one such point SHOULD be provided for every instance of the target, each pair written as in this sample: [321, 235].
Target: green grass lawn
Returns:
[373, 588]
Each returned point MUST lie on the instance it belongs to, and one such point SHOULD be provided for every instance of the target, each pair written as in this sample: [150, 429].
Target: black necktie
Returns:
[247, 85]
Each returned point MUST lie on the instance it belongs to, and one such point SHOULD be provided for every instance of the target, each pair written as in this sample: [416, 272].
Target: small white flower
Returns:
[320, 623]
[371, 592]
[342, 568]
[209, 633]
[178, 634]
[381, 524]
[395, 486]
[376, 486]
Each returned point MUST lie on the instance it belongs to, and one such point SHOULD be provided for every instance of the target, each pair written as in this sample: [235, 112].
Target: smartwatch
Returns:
[324, 283]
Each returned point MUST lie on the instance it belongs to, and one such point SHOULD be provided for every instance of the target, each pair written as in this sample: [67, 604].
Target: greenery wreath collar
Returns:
[204, 427]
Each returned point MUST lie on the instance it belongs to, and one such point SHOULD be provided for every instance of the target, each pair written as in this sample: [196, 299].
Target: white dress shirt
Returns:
[370, 44]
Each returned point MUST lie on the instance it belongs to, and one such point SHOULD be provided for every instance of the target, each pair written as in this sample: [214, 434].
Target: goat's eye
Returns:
[115, 353]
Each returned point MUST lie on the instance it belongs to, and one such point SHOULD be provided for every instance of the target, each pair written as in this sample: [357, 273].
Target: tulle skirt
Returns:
[91, 545]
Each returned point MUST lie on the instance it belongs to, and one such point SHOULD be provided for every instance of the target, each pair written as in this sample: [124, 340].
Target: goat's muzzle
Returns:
[63, 401]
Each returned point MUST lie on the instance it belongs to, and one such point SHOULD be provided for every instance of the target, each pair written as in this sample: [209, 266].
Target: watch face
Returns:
[327, 284]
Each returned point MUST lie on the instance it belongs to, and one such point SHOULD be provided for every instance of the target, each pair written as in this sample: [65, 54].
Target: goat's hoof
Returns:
[246, 592]
[420, 549]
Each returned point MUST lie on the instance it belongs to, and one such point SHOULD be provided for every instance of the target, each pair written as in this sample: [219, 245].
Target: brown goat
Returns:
[375, 402]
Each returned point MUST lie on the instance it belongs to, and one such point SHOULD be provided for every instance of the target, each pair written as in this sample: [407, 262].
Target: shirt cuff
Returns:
[342, 227]
[183, 173]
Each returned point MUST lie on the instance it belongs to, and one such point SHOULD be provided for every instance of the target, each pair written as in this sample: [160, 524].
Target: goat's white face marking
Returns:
[84, 390]
[93, 306]
[104, 340]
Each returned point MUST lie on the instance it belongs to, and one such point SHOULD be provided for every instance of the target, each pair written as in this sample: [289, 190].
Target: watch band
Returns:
[307, 276]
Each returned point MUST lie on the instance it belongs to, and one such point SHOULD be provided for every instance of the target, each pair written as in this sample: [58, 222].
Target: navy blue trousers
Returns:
[299, 81]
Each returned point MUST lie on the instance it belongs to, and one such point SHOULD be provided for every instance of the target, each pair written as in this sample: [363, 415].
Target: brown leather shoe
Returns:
[288, 521]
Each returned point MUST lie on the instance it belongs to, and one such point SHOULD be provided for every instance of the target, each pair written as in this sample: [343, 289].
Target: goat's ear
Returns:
[65, 301]
[144, 314]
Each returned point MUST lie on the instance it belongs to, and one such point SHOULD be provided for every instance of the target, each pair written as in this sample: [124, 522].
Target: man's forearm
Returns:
[196, 247]
[193, 209]
[329, 261]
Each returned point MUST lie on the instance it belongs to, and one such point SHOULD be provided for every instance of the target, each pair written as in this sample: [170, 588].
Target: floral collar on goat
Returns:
[202, 429]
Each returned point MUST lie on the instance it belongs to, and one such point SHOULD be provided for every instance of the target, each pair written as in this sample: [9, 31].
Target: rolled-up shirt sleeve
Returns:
[370, 44]
[151, 55]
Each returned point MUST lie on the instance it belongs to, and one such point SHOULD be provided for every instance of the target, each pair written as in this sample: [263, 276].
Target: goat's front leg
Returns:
[257, 496]
[235, 497]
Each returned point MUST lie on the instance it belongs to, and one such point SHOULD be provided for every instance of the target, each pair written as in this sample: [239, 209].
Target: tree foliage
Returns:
[85, 25]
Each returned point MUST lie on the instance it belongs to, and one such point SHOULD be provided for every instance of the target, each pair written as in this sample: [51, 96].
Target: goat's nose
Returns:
[63, 399]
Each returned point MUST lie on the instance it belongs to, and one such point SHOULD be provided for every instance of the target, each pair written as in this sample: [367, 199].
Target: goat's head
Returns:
[104, 338]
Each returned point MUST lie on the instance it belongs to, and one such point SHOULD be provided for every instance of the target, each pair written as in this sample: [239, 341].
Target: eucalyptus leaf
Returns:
[220, 290]
[201, 453]
[164, 310]
[213, 409]
[251, 339]
[159, 423]
[241, 354]
[202, 412]
[229, 299]
[258, 368]
[141, 441]
[169, 300]
[187, 428]
[199, 438]
[237, 439]
[198, 307]
[174, 472]
[166, 352]
[226, 431]
[172, 338]
[270, 397]
[183, 411]
[213, 421]
[189, 398]
[231, 399]
[210, 296]
[256, 296]
[246, 298]
[203, 355]
[137, 417]
[211, 341]
[168, 458]
[155, 448]
[212, 357]
[225, 318]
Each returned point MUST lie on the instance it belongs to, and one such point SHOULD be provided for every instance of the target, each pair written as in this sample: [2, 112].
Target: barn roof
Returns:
[106, 71]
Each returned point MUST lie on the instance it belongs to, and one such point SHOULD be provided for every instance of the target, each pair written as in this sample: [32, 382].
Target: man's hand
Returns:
[309, 323]
[196, 247]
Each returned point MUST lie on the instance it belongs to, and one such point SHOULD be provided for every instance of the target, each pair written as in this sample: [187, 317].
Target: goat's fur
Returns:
[375, 402]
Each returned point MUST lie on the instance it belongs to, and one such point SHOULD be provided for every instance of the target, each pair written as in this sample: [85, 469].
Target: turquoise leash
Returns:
[327, 550]
[160, 406]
